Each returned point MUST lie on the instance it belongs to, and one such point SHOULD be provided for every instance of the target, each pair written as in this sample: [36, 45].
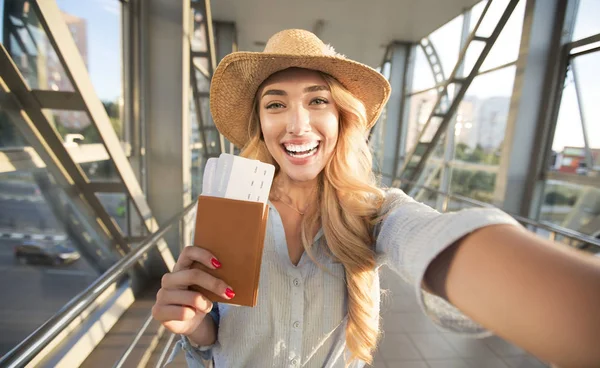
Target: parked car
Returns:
[38, 252]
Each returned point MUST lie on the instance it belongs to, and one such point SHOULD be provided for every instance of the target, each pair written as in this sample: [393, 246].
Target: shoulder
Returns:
[393, 199]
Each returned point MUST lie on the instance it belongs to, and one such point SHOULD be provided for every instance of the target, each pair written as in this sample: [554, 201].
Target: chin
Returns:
[301, 175]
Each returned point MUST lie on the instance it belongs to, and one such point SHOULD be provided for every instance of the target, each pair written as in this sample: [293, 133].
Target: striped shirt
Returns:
[300, 319]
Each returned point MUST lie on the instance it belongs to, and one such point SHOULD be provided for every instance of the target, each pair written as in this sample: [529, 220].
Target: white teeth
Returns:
[301, 148]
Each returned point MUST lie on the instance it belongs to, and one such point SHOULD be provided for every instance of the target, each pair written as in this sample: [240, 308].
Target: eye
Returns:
[318, 101]
[274, 105]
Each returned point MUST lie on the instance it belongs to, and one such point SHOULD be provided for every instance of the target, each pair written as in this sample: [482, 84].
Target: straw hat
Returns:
[238, 76]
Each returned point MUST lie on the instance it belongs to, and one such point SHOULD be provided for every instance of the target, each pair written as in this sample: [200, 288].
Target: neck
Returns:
[294, 193]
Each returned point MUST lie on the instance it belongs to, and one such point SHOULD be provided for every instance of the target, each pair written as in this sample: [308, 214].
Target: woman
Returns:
[307, 110]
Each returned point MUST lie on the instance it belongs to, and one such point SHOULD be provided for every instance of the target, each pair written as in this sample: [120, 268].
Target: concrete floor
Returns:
[410, 340]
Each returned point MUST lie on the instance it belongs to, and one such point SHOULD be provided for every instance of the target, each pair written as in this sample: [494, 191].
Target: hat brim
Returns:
[238, 76]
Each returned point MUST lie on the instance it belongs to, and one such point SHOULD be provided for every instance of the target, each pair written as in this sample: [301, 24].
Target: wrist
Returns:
[204, 335]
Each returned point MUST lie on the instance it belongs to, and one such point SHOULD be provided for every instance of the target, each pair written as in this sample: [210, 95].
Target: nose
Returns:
[299, 122]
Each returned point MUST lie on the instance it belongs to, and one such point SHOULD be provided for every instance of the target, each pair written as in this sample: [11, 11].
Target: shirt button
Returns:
[296, 282]
[296, 324]
[294, 361]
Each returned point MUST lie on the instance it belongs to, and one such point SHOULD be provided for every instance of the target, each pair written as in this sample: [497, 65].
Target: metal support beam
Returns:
[106, 187]
[166, 61]
[205, 8]
[396, 122]
[522, 159]
[225, 43]
[59, 100]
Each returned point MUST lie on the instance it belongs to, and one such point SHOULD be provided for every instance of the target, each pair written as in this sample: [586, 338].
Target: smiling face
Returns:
[299, 122]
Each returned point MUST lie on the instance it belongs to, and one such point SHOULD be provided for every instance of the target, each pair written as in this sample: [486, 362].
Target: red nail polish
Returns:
[215, 263]
[230, 294]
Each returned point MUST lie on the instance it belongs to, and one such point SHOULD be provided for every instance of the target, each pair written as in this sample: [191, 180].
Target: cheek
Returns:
[270, 133]
[330, 128]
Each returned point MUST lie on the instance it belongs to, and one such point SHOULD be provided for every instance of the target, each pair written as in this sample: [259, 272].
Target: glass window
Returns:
[446, 41]
[96, 30]
[506, 48]
[482, 116]
[588, 80]
[30, 48]
[491, 18]
[199, 39]
[569, 144]
[586, 23]
[420, 107]
[50, 243]
[476, 184]
[422, 77]
[576, 207]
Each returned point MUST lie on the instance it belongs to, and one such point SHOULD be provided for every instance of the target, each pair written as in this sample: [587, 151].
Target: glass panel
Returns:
[491, 19]
[586, 23]
[31, 50]
[474, 184]
[96, 29]
[506, 48]
[588, 81]
[100, 171]
[116, 205]
[573, 206]
[476, 12]
[199, 39]
[420, 106]
[568, 147]
[69, 122]
[481, 119]
[50, 246]
[446, 41]
[73, 126]
[9, 135]
[473, 52]
[422, 77]
[427, 196]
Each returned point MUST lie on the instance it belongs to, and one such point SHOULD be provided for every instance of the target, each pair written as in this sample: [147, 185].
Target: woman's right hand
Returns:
[181, 310]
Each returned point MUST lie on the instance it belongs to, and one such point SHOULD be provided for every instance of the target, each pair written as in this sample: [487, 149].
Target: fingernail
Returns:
[230, 294]
[215, 263]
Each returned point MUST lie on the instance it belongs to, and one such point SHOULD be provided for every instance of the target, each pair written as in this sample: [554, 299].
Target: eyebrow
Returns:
[279, 92]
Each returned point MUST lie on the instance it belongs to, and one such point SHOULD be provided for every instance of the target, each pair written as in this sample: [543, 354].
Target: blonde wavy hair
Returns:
[348, 203]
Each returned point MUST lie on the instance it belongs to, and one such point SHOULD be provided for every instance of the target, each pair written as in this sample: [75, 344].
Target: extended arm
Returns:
[542, 296]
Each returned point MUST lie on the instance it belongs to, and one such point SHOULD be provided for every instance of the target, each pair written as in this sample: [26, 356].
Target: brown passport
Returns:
[234, 231]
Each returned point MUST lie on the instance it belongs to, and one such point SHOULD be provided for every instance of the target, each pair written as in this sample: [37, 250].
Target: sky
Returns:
[104, 59]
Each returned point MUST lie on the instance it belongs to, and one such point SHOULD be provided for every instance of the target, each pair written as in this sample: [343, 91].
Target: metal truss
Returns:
[211, 54]
[82, 99]
[414, 166]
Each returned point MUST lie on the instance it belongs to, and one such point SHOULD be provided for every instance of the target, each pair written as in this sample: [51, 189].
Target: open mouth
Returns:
[301, 150]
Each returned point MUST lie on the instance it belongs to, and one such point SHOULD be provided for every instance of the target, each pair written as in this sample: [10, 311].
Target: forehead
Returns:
[294, 76]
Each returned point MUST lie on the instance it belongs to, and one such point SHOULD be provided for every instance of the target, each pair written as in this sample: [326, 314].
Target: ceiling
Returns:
[359, 29]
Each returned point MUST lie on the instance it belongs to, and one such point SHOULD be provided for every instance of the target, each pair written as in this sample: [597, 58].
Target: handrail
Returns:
[555, 229]
[34, 343]
[165, 351]
[134, 342]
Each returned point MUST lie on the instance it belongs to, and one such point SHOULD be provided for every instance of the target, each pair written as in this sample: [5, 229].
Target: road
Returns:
[31, 294]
